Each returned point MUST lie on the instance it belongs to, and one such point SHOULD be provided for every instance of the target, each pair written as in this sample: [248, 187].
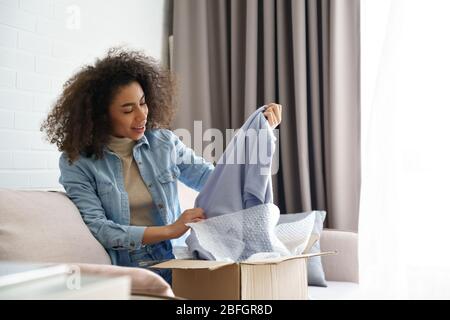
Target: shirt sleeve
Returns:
[194, 170]
[80, 190]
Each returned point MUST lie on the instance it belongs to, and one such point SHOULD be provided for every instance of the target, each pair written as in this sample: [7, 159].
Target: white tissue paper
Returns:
[252, 234]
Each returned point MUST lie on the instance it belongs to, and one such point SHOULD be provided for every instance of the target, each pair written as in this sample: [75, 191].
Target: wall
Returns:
[42, 42]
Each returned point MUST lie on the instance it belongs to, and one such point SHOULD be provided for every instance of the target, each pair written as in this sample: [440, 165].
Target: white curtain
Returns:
[405, 198]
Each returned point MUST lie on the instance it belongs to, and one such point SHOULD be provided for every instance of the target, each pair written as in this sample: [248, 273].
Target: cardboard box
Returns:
[282, 278]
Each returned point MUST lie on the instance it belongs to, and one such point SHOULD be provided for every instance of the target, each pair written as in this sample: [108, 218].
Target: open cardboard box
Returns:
[281, 278]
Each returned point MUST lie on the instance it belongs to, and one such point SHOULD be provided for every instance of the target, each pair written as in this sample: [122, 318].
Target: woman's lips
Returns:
[140, 130]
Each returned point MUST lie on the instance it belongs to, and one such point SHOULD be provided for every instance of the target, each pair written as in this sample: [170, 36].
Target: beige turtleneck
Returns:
[139, 196]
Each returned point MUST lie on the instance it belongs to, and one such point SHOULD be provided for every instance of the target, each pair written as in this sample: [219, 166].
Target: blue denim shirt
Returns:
[96, 187]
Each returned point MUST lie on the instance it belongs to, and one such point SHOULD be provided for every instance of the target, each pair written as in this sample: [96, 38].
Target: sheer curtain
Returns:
[404, 222]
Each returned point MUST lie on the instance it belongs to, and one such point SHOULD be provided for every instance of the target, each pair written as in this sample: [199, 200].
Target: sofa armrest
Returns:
[342, 266]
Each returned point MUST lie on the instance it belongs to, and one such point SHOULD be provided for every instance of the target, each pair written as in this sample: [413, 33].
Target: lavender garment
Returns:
[241, 179]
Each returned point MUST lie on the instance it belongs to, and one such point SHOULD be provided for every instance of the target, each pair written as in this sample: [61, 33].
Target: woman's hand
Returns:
[178, 228]
[174, 230]
[273, 114]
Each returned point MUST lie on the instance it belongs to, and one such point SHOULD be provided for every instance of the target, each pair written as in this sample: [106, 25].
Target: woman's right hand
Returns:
[179, 227]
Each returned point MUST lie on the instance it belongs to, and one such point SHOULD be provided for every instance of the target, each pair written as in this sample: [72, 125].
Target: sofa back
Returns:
[45, 226]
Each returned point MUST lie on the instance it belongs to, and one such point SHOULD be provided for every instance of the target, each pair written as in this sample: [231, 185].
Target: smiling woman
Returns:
[128, 112]
[118, 164]
[95, 98]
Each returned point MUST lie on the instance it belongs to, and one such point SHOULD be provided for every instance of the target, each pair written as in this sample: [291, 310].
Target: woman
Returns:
[119, 162]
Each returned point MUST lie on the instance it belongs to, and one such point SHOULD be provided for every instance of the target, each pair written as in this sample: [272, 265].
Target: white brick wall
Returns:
[39, 50]
[7, 78]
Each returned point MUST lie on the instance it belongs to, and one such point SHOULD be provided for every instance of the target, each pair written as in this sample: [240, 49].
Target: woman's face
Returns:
[128, 112]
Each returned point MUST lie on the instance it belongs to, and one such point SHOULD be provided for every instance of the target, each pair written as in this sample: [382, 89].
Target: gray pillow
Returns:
[316, 275]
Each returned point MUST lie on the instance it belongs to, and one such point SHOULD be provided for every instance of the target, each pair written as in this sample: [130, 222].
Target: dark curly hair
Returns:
[79, 121]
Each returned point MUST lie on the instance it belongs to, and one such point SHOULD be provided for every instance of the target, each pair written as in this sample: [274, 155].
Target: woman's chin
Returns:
[137, 136]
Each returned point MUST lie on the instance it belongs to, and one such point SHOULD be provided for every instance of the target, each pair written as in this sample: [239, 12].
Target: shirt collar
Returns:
[142, 141]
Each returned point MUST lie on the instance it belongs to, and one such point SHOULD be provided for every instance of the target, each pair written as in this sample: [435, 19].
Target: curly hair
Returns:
[79, 120]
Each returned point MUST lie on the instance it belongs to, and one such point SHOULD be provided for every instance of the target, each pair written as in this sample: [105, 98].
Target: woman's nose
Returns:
[142, 114]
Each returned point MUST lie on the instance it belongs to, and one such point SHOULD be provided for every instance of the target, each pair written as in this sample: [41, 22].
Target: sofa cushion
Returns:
[42, 226]
[143, 282]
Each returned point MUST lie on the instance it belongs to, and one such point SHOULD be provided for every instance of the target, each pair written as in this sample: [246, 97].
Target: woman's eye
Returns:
[128, 111]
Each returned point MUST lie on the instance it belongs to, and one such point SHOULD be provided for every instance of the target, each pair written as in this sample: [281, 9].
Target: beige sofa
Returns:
[45, 226]
[341, 270]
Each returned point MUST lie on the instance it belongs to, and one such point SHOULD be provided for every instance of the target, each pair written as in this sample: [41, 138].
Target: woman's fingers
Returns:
[276, 109]
[277, 112]
[268, 114]
[197, 213]
[273, 115]
[272, 119]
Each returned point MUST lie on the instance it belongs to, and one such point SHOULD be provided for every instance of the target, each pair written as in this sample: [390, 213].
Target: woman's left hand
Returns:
[273, 114]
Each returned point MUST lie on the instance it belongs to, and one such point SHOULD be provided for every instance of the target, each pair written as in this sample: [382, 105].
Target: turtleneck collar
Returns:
[122, 146]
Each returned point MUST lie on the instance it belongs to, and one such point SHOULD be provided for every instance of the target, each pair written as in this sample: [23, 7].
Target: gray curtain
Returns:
[232, 56]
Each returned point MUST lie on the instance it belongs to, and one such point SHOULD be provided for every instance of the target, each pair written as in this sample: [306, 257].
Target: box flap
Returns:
[281, 259]
[192, 264]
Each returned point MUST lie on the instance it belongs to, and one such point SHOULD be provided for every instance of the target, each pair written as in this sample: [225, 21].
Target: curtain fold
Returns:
[232, 56]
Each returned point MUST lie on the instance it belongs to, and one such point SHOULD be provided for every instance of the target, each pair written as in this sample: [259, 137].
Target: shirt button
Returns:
[160, 206]
[139, 162]
[150, 185]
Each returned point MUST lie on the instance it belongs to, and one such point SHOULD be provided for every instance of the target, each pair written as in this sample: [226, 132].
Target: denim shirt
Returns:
[97, 188]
